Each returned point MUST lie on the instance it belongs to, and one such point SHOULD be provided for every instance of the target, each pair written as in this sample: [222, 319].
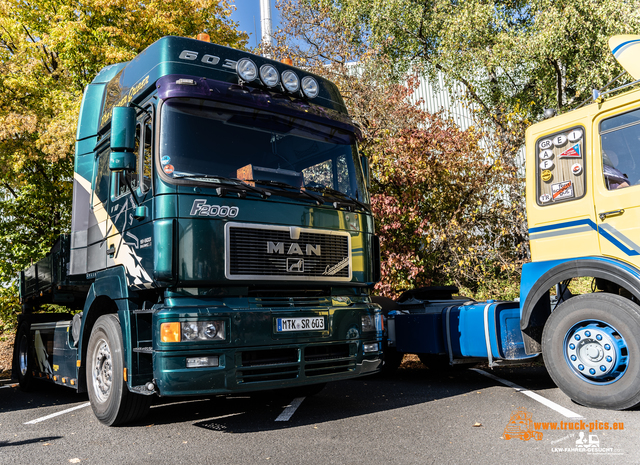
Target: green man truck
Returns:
[221, 240]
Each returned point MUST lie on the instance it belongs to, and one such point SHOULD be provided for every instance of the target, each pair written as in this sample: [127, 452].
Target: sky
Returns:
[247, 14]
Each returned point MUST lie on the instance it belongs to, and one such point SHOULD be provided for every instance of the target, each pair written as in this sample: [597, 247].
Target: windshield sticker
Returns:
[200, 208]
[562, 190]
[544, 198]
[168, 169]
[546, 175]
[576, 168]
[164, 160]
[546, 154]
[560, 140]
[575, 135]
[546, 165]
[572, 152]
[546, 144]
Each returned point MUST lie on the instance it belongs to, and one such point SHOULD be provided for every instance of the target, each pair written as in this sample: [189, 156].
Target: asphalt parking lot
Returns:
[418, 416]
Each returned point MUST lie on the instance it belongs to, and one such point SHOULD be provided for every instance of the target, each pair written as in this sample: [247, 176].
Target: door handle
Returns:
[605, 215]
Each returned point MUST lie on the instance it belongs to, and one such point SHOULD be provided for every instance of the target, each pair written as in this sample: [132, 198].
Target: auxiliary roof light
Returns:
[247, 69]
[269, 75]
[290, 81]
[203, 36]
[310, 87]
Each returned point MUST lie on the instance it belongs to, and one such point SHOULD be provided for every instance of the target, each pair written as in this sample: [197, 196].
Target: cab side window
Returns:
[101, 181]
[620, 144]
[147, 144]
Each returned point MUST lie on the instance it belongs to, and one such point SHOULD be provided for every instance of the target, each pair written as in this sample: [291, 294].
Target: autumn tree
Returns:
[446, 210]
[49, 51]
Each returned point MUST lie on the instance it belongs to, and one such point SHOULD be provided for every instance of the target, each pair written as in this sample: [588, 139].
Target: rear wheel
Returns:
[591, 348]
[111, 401]
[23, 357]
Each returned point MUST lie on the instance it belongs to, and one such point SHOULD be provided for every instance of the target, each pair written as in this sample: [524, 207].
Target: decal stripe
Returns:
[623, 44]
[609, 232]
[543, 235]
[571, 227]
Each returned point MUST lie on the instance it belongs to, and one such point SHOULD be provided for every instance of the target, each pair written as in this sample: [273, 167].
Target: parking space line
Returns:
[290, 409]
[537, 397]
[38, 420]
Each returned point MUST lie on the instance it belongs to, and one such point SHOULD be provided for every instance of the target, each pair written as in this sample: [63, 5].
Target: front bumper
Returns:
[262, 368]
[256, 356]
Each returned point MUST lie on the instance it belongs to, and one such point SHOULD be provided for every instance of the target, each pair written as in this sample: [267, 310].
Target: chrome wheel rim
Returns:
[23, 356]
[596, 352]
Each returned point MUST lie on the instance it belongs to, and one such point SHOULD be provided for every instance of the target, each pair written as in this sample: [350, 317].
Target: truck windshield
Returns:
[215, 142]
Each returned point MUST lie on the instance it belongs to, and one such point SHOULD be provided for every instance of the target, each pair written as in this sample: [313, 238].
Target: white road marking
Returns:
[38, 420]
[537, 397]
[8, 386]
[290, 409]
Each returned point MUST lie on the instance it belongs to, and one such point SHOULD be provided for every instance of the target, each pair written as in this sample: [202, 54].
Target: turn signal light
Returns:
[170, 332]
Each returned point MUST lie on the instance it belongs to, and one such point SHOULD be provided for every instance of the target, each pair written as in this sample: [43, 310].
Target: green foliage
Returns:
[49, 51]
[446, 210]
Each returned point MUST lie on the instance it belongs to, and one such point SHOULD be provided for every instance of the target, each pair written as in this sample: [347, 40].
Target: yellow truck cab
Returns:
[583, 197]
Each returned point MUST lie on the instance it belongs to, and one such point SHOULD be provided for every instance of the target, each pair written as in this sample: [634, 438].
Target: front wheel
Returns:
[111, 401]
[591, 348]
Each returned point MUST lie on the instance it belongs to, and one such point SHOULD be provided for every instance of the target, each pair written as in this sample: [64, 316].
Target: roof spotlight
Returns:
[246, 69]
[290, 81]
[310, 87]
[269, 75]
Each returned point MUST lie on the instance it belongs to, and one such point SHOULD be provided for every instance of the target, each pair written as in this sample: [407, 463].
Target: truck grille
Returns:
[269, 253]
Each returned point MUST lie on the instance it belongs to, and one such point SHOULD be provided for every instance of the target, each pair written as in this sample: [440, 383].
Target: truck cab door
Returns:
[130, 228]
[617, 183]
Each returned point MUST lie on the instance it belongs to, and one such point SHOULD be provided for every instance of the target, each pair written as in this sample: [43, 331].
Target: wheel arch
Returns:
[539, 277]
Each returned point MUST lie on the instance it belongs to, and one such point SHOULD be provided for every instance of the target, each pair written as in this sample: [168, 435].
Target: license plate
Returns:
[300, 324]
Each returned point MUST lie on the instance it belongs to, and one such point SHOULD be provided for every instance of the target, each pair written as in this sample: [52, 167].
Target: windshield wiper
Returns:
[340, 195]
[233, 183]
[316, 198]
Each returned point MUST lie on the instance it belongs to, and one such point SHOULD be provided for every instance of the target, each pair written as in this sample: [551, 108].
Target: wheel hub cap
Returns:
[596, 351]
[102, 371]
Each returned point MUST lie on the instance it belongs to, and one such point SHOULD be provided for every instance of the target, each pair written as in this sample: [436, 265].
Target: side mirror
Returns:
[122, 161]
[123, 129]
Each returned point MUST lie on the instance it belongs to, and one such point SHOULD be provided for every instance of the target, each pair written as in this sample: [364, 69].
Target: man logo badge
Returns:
[295, 265]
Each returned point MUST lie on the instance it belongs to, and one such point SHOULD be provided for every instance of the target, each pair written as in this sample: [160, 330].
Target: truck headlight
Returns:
[368, 323]
[193, 331]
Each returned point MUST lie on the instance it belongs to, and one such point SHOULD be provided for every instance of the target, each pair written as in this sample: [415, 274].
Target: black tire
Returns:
[602, 372]
[23, 357]
[391, 358]
[436, 362]
[112, 402]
